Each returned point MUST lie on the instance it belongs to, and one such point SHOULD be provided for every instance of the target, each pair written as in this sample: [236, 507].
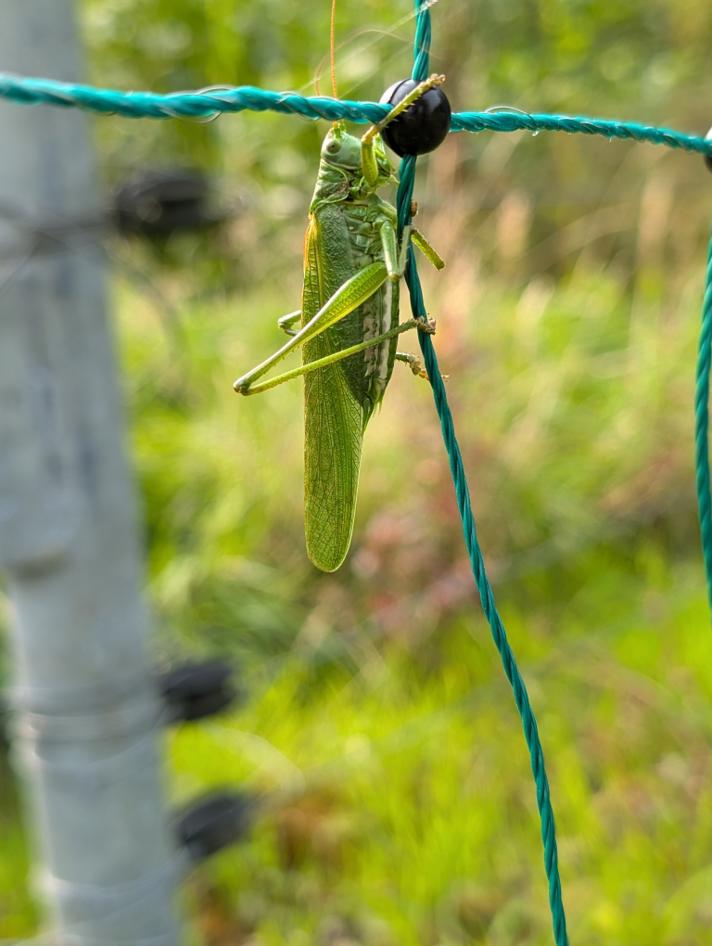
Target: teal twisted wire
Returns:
[514, 120]
[209, 102]
[702, 395]
[462, 493]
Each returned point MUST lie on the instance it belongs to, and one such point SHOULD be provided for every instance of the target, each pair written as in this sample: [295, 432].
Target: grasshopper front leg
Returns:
[369, 163]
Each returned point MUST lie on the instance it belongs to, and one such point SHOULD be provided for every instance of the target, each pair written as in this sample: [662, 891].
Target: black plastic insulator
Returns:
[214, 822]
[195, 690]
[156, 203]
[423, 126]
[708, 157]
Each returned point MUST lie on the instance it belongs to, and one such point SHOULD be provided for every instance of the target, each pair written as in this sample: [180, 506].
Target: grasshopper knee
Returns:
[286, 322]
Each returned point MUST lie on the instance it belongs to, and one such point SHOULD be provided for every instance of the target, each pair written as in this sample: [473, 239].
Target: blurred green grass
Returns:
[411, 814]
[567, 320]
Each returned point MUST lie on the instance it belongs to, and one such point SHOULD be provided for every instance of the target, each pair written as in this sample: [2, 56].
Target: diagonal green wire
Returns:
[702, 396]
[462, 493]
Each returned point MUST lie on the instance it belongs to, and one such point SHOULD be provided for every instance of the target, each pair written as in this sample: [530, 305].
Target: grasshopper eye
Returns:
[333, 146]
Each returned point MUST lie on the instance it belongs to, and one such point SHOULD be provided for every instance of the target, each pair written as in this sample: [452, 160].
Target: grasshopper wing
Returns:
[333, 415]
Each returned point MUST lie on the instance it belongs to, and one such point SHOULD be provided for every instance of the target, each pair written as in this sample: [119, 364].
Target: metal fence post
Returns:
[87, 712]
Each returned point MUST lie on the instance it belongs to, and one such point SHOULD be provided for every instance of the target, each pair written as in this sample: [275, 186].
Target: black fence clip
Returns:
[214, 822]
[195, 690]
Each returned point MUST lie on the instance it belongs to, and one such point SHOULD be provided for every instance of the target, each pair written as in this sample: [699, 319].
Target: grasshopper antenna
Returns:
[375, 36]
[332, 48]
[332, 59]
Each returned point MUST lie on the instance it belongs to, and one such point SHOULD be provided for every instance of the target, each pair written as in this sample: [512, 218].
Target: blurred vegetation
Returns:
[567, 320]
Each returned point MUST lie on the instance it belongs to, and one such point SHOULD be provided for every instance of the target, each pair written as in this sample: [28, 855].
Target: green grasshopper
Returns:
[348, 324]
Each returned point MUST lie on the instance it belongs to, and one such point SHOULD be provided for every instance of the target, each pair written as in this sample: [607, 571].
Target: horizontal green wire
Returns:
[206, 103]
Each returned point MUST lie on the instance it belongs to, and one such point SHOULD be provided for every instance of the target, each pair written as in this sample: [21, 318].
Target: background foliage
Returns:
[567, 319]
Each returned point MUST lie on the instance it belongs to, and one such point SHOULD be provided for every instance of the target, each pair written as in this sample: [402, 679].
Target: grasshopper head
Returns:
[342, 151]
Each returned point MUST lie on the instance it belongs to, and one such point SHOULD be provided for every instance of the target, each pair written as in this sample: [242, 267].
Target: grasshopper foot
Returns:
[414, 363]
[427, 326]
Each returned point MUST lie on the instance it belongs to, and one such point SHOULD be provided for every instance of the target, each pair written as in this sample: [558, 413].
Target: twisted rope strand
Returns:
[702, 394]
[462, 493]
[207, 103]
[578, 124]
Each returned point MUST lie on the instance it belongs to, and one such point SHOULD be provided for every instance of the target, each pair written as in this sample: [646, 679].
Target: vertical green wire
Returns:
[521, 697]
[702, 395]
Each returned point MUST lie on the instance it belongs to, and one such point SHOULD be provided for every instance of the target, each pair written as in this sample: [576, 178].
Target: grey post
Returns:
[87, 721]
